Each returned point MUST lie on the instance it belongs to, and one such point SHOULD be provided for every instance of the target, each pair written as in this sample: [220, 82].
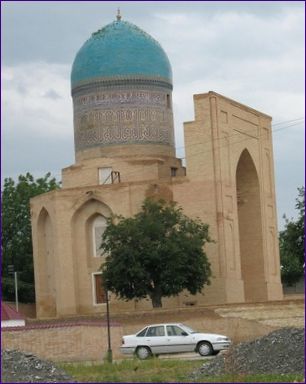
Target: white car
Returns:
[172, 338]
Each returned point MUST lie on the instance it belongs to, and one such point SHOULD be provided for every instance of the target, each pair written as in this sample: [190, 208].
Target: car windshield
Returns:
[142, 332]
[187, 329]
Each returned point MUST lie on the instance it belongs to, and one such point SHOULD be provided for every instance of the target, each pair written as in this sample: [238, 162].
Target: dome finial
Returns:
[118, 15]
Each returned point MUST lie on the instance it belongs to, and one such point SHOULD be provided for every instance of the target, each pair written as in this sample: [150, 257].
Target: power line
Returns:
[287, 121]
[218, 148]
[290, 123]
[238, 142]
[238, 134]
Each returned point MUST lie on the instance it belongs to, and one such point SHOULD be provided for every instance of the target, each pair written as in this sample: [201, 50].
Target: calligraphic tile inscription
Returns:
[133, 115]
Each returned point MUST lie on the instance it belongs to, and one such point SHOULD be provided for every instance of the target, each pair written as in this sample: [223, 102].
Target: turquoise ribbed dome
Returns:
[120, 50]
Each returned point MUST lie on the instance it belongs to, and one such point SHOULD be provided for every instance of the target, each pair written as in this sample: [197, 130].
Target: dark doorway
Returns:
[250, 229]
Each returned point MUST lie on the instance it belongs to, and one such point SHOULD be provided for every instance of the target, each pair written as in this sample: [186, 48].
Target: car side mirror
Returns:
[184, 334]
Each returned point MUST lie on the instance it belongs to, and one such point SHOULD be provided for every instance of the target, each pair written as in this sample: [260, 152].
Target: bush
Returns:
[26, 291]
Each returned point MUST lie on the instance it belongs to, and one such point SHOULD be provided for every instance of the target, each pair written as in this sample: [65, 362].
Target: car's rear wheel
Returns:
[143, 353]
[205, 348]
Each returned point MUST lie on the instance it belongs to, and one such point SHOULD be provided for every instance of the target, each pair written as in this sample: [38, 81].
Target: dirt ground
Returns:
[284, 313]
[241, 322]
[288, 312]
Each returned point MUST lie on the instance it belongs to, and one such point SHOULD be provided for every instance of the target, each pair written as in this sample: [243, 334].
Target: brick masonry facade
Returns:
[83, 341]
[228, 183]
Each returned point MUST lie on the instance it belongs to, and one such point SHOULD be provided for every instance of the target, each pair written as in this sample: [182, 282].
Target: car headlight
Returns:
[222, 339]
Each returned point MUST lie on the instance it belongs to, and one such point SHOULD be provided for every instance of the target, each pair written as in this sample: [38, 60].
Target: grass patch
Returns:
[151, 371]
[162, 371]
[259, 378]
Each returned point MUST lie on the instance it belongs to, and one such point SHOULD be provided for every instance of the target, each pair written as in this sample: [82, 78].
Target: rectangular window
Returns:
[156, 331]
[173, 172]
[99, 294]
[168, 101]
[105, 175]
[173, 330]
[98, 232]
[98, 228]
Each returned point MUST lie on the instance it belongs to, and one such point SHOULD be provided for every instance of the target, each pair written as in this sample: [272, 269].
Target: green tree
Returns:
[16, 233]
[292, 241]
[157, 253]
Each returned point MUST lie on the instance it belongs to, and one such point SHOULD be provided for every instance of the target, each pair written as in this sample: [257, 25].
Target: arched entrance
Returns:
[45, 278]
[250, 229]
[88, 224]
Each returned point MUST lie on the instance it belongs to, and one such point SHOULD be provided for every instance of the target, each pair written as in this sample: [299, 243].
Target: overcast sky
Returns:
[252, 52]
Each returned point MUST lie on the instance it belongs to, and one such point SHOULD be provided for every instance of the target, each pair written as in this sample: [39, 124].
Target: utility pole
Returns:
[16, 290]
[109, 351]
[11, 269]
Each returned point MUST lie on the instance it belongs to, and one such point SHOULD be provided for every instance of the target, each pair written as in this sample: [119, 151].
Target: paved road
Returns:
[185, 356]
[179, 356]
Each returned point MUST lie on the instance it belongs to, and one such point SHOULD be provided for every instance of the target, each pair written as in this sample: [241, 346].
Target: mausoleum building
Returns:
[121, 86]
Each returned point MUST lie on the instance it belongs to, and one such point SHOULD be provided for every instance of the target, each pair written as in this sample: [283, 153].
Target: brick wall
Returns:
[63, 342]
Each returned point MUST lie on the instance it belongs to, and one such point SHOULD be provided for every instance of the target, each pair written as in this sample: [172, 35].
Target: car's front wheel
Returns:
[143, 353]
[205, 348]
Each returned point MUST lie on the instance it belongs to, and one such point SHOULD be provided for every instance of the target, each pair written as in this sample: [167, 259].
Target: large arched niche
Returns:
[250, 228]
[85, 261]
[44, 273]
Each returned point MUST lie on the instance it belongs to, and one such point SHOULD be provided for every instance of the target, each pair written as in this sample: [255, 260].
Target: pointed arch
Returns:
[245, 151]
[91, 214]
[86, 199]
[250, 228]
[43, 213]
[86, 227]
[44, 274]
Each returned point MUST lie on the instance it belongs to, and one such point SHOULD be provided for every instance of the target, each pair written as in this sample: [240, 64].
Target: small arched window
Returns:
[168, 101]
[98, 228]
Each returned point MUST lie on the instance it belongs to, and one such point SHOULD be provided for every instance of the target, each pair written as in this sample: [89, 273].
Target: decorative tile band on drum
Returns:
[116, 117]
[114, 135]
[126, 97]
[123, 126]
[90, 118]
[124, 82]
